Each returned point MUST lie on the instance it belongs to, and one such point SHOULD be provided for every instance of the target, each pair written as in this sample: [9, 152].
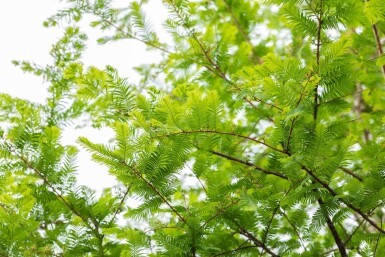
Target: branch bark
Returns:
[228, 157]
[318, 54]
[378, 44]
[340, 244]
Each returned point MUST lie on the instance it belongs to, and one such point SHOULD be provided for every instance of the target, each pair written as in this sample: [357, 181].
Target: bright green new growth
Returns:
[263, 136]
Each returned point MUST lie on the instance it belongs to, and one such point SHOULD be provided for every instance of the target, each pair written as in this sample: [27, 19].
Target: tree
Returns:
[263, 135]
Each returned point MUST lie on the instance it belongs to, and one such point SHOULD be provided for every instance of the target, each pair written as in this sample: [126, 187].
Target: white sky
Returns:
[25, 38]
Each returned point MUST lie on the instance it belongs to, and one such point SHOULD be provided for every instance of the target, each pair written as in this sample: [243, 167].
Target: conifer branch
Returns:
[295, 230]
[150, 185]
[244, 34]
[287, 150]
[239, 248]
[226, 133]
[378, 45]
[228, 157]
[214, 67]
[256, 241]
[264, 102]
[378, 239]
[127, 34]
[318, 55]
[61, 198]
[349, 205]
[266, 232]
[236, 22]
[351, 173]
[340, 244]
[219, 212]
[200, 181]
[121, 202]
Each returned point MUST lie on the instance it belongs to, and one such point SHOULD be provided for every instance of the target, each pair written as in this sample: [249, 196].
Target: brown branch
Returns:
[340, 244]
[266, 232]
[346, 241]
[333, 193]
[41, 175]
[318, 51]
[150, 185]
[219, 212]
[127, 34]
[290, 134]
[355, 230]
[200, 182]
[205, 52]
[227, 133]
[295, 230]
[239, 248]
[236, 21]
[208, 58]
[351, 173]
[378, 239]
[121, 202]
[228, 157]
[256, 241]
[264, 102]
[378, 44]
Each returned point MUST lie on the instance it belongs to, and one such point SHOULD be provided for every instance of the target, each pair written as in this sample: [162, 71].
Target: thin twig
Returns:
[226, 133]
[228, 157]
[378, 45]
[318, 55]
[127, 34]
[239, 248]
[340, 244]
[266, 232]
[219, 212]
[256, 241]
[214, 66]
[378, 239]
[94, 229]
[296, 230]
[351, 173]
[150, 185]
[121, 202]
[333, 193]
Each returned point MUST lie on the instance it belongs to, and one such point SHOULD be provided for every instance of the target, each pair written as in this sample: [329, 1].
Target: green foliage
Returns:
[256, 143]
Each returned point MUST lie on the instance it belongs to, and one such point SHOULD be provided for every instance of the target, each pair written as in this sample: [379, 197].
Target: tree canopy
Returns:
[259, 133]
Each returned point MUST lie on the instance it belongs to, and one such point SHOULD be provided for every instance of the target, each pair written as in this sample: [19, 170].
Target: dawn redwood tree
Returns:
[260, 133]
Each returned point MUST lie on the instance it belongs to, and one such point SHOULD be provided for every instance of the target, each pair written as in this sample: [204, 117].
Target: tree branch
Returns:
[378, 45]
[127, 34]
[239, 248]
[121, 202]
[226, 133]
[256, 241]
[150, 185]
[318, 52]
[295, 229]
[340, 244]
[219, 212]
[333, 193]
[351, 173]
[254, 58]
[94, 229]
[228, 157]
[205, 52]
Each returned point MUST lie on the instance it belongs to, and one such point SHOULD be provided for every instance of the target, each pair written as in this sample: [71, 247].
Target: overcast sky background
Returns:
[25, 38]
